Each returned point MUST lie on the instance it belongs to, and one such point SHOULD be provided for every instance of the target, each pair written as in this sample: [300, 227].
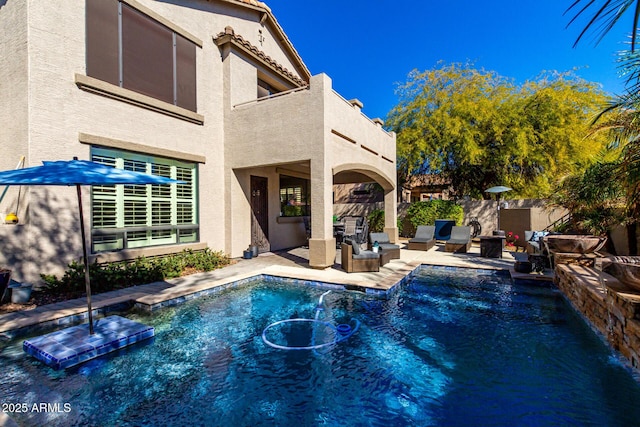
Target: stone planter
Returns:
[574, 243]
[625, 269]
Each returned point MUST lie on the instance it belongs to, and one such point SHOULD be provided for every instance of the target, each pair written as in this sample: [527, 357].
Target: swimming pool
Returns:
[448, 348]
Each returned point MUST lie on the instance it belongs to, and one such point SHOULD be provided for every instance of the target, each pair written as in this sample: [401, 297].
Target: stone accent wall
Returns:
[611, 307]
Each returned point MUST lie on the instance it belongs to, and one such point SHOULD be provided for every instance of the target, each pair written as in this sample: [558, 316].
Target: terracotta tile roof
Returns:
[238, 39]
[426, 180]
[255, 3]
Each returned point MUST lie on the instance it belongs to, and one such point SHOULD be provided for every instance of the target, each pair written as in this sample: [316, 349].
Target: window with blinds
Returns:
[129, 49]
[133, 216]
[294, 196]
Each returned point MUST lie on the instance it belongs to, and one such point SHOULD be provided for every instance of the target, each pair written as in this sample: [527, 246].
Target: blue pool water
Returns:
[450, 348]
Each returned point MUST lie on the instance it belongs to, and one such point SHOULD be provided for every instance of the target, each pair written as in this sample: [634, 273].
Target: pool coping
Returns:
[158, 295]
[25, 326]
[175, 291]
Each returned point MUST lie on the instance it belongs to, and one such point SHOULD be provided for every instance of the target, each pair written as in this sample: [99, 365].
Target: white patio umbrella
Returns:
[497, 190]
[79, 172]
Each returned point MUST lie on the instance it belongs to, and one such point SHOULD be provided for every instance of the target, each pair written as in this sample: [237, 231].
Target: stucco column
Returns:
[391, 215]
[322, 244]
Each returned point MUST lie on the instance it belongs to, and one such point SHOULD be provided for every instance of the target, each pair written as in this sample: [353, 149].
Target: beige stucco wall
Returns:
[14, 118]
[49, 113]
[58, 111]
[313, 127]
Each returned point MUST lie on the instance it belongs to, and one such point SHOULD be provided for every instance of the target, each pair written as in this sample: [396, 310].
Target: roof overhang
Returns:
[267, 18]
[237, 43]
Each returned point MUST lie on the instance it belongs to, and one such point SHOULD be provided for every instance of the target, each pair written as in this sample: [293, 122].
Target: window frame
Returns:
[134, 216]
[102, 53]
[302, 204]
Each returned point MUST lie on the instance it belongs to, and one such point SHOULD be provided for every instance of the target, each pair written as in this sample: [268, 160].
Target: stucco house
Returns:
[424, 187]
[209, 92]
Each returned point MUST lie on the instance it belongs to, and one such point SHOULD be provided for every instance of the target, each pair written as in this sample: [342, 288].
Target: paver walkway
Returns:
[293, 263]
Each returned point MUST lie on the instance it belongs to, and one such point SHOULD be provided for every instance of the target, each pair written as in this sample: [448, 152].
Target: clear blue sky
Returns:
[367, 47]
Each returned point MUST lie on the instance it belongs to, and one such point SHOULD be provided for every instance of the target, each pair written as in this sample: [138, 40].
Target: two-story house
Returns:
[212, 93]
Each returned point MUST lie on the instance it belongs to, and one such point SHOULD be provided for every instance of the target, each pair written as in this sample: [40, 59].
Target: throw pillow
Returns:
[537, 235]
[356, 247]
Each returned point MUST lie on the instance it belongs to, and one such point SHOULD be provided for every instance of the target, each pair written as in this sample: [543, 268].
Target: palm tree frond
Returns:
[607, 15]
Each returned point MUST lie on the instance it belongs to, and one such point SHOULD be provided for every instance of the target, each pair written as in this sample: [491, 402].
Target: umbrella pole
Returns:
[86, 259]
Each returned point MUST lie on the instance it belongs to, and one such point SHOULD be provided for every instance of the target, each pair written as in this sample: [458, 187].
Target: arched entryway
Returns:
[322, 245]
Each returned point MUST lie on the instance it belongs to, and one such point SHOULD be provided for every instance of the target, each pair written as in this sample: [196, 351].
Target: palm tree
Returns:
[606, 14]
[622, 115]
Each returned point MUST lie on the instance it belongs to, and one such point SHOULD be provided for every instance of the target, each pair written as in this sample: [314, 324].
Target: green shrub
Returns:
[118, 275]
[292, 210]
[376, 221]
[426, 213]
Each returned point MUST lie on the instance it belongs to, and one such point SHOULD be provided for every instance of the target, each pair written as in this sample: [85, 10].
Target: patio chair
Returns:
[460, 240]
[384, 244]
[424, 238]
[355, 260]
[350, 229]
[362, 231]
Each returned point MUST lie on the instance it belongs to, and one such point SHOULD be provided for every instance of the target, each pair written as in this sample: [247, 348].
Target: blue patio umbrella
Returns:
[80, 172]
[497, 190]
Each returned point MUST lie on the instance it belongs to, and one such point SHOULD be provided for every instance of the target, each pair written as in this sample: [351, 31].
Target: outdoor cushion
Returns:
[536, 235]
[460, 234]
[388, 246]
[366, 255]
[424, 233]
[379, 237]
[356, 248]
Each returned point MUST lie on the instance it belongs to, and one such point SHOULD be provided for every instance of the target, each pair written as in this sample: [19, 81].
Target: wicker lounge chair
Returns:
[424, 238]
[460, 240]
[355, 260]
[384, 244]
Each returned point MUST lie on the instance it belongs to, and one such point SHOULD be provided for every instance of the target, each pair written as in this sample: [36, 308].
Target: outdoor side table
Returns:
[491, 246]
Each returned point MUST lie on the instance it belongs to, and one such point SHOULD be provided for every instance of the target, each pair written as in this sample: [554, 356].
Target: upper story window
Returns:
[128, 48]
[265, 89]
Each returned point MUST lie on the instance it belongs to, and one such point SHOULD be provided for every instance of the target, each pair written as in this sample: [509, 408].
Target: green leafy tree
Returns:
[480, 129]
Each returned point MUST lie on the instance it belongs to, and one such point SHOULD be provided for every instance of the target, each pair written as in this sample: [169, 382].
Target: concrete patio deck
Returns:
[292, 263]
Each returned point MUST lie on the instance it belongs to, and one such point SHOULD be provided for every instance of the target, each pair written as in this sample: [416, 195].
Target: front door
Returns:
[259, 214]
